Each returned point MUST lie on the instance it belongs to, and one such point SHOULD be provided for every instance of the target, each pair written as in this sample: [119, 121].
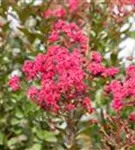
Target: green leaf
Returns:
[35, 147]
[114, 58]
[1, 138]
[15, 121]
[47, 136]
[131, 34]
[5, 27]
[50, 137]
[133, 148]
[12, 142]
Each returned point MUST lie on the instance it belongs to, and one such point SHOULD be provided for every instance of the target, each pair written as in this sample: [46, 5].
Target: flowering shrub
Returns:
[14, 83]
[69, 89]
[61, 75]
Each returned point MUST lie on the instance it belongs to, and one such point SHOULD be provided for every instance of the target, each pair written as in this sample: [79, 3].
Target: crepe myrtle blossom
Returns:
[73, 5]
[32, 92]
[58, 12]
[96, 56]
[14, 83]
[70, 35]
[87, 104]
[96, 68]
[119, 93]
[61, 76]
[132, 116]
[111, 72]
[128, 2]
[130, 71]
[132, 1]
[61, 80]
[117, 104]
[70, 107]
[61, 72]
[122, 89]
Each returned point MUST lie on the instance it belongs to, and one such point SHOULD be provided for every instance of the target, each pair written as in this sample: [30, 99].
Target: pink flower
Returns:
[54, 36]
[96, 57]
[87, 104]
[70, 107]
[124, 2]
[132, 1]
[130, 71]
[69, 31]
[115, 86]
[48, 13]
[61, 76]
[132, 117]
[59, 12]
[32, 92]
[111, 72]
[118, 90]
[73, 5]
[14, 83]
[129, 85]
[96, 68]
[107, 88]
[59, 25]
[117, 104]
[28, 70]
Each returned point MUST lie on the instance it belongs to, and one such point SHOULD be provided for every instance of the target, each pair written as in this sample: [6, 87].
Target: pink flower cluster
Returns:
[58, 12]
[127, 2]
[97, 69]
[70, 35]
[61, 79]
[87, 104]
[73, 5]
[132, 1]
[132, 117]
[14, 83]
[122, 90]
[63, 9]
